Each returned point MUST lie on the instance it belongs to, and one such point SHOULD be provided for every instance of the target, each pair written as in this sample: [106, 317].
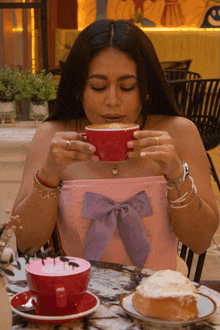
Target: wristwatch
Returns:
[185, 174]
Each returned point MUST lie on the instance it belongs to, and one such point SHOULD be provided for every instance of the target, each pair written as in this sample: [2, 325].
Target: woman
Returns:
[112, 74]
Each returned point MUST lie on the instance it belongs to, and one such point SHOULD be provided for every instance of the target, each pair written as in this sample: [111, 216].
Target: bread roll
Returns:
[168, 295]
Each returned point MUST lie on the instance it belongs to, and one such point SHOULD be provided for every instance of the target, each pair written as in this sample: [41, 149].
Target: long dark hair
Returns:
[125, 37]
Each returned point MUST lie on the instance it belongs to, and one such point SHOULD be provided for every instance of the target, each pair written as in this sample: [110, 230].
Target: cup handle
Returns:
[61, 300]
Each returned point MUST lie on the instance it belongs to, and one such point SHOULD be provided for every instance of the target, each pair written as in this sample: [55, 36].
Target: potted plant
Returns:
[10, 91]
[39, 89]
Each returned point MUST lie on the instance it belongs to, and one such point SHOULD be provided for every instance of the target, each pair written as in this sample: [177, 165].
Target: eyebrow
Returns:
[103, 77]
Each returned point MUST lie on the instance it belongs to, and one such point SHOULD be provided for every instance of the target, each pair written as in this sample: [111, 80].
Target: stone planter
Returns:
[7, 111]
[5, 307]
[38, 111]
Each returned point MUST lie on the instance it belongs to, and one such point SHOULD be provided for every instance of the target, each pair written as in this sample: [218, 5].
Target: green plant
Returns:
[38, 87]
[11, 84]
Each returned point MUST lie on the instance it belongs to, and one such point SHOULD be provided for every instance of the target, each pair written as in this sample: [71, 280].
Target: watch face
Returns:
[186, 168]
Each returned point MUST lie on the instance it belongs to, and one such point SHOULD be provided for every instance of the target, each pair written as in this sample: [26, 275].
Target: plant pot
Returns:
[7, 112]
[5, 307]
[38, 111]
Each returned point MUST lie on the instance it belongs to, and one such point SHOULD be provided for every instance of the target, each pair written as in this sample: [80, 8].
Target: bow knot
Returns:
[106, 215]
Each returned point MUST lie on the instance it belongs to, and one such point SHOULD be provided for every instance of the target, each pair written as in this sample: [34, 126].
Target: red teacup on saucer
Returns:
[87, 305]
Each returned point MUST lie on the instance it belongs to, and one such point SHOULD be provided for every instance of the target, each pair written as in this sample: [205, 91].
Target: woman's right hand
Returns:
[62, 153]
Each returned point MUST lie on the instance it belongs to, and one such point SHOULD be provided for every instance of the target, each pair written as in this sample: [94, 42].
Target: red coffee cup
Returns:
[111, 140]
[57, 286]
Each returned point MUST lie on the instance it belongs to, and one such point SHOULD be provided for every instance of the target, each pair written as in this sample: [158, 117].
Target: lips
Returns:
[113, 119]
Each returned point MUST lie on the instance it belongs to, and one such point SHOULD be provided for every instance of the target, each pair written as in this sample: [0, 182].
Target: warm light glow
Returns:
[17, 29]
[33, 36]
[180, 29]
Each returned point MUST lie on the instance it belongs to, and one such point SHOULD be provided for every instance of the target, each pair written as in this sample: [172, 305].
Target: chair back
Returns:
[180, 65]
[62, 66]
[199, 101]
[180, 74]
[187, 255]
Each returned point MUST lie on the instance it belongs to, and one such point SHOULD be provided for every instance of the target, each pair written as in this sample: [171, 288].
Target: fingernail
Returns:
[135, 134]
[92, 148]
[143, 154]
[95, 158]
[130, 144]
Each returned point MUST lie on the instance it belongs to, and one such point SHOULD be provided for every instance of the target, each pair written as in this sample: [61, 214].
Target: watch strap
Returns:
[182, 178]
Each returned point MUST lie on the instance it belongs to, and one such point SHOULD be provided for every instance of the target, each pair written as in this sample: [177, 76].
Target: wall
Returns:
[152, 13]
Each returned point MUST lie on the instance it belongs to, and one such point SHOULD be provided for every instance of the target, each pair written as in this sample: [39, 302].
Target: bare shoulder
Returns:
[46, 131]
[178, 127]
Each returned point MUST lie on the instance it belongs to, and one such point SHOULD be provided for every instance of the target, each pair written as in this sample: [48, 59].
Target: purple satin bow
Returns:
[102, 210]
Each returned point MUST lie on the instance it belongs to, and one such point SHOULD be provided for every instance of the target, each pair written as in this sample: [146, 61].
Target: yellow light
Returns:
[33, 36]
[17, 29]
[180, 29]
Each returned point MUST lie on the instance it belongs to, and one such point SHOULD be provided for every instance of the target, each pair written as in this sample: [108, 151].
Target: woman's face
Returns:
[111, 92]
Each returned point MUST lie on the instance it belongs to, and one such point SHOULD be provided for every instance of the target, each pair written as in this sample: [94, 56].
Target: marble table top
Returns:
[110, 282]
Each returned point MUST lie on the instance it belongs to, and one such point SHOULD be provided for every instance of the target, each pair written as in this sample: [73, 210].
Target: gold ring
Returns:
[157, 139]
[68, 145]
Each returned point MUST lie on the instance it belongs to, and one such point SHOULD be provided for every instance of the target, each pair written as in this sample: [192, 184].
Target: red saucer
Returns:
[88, 305]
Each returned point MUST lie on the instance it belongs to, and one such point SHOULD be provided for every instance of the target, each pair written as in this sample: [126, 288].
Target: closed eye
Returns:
[122, 88]
[98, 89]
[127, 89]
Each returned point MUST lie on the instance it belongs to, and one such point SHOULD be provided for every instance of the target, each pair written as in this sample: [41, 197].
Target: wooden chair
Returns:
[180, 74]
[199, 101]
[180, 65]
[187, 255]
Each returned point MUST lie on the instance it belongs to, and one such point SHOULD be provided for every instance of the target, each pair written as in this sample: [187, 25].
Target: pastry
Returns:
[168, 295]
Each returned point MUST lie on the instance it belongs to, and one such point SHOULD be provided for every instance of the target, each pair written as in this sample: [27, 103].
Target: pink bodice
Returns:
[73, 228]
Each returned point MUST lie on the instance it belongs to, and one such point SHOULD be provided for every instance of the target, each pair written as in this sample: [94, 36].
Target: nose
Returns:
[112, 98]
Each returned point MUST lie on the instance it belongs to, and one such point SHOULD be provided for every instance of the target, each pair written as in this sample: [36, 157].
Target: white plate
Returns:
[206, 307]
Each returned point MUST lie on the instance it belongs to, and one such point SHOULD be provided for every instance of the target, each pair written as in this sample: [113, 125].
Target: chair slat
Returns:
[199, 101]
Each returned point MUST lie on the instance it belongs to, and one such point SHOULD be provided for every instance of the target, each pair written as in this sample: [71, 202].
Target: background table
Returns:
[110, 282]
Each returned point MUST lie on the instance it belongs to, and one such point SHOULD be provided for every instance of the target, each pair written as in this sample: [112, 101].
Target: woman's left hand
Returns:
[158, 146]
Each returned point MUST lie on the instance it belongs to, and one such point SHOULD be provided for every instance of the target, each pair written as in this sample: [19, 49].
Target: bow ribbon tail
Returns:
[134, 238]
[99, 236]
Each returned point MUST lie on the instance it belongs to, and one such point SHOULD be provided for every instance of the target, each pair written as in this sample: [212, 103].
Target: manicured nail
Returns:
[95, 158]
[92, 148]
[130, 144]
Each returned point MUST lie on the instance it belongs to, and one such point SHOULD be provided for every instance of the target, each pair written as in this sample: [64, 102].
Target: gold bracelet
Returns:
[51, 193]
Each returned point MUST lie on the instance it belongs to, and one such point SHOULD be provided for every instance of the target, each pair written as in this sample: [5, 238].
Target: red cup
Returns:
[111, 140]
[58, 288]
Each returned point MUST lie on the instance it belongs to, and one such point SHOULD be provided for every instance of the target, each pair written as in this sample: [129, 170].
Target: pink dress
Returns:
[73, 228]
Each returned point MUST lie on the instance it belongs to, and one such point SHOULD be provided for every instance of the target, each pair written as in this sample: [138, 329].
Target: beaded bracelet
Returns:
[43, 182]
